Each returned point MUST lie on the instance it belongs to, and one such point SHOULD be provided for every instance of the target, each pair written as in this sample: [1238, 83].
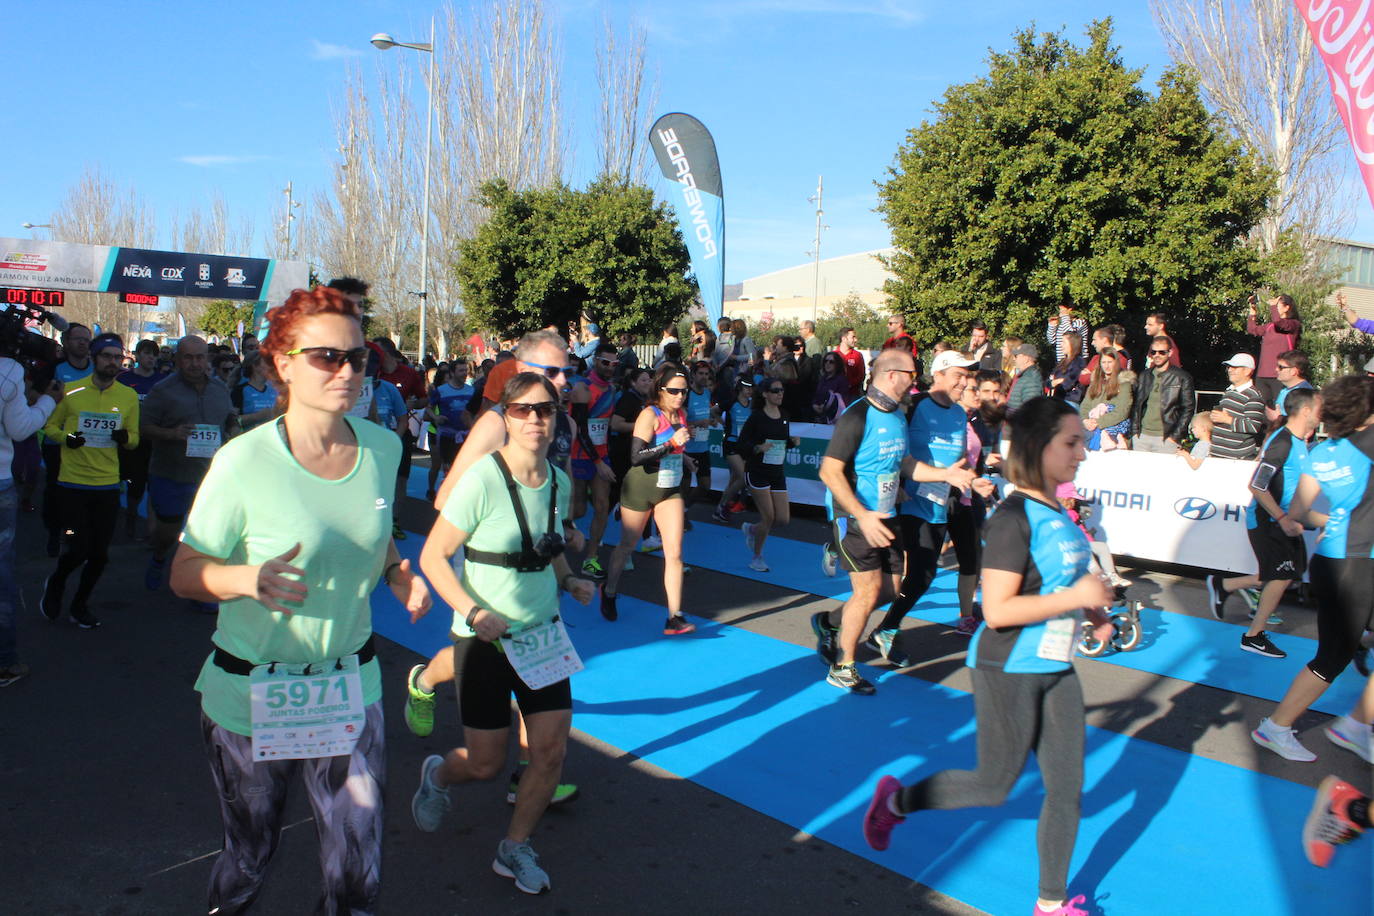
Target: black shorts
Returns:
[703, 460]
[1279, 556]
[485, 681]
[1344, 590]
[729, 448]
[767, 477]
[448, 451]
[857, 555]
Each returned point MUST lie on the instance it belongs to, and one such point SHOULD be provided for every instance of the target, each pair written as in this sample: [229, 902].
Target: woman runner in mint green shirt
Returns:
[513, 569]
[290, 532]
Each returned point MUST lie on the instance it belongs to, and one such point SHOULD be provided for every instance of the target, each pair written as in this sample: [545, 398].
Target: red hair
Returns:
[284, 322]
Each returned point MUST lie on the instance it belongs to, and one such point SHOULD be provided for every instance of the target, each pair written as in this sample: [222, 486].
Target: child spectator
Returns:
[1202, 431]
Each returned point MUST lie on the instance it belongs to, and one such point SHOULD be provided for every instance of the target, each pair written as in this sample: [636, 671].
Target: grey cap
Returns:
[1026, 350]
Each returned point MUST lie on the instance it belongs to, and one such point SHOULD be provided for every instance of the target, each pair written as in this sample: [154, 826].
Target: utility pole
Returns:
[815, 252]
[291, 205]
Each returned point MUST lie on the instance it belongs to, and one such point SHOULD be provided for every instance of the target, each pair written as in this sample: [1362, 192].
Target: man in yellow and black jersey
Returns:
[97, 417]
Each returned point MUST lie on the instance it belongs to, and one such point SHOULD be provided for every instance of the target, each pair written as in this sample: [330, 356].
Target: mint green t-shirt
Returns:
[480, 505]
[255, 503]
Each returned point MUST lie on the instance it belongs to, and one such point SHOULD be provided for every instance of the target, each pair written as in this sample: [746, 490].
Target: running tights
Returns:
[345, 795]
[1017, 714]
[89, 516]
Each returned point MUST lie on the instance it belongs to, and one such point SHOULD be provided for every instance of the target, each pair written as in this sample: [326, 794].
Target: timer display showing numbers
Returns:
[138, 298]
[38, 298]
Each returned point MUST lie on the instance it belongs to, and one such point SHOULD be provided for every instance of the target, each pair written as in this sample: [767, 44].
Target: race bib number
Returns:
[97, 427]
[887, 492]
[303, 711]
[204, 441]
[701, 434]
[777, 451]
[669, 472]
[935, 493]
[1057, 641]
[597, 428]
[364, 403]
[542, 655]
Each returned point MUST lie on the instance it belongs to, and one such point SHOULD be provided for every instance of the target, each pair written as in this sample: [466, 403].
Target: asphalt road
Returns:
[109, 809]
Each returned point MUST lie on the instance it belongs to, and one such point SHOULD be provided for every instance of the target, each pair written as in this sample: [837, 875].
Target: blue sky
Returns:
[184, 99]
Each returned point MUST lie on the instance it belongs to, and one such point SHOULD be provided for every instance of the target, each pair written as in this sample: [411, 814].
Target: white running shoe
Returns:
[828, 559]
[1281, 741]
[430, 803]
[650, 544]
[747, 529]
[1354, 736]
[757, 565]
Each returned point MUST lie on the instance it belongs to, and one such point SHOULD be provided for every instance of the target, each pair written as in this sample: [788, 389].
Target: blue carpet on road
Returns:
[751, 718]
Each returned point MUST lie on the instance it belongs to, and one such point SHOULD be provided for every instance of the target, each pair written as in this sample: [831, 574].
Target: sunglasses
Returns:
[543, 409]
[678, 392]
[1159, 352]
[331, 359]
[553, 372]
[605, 362]
[773, 391]
[1281, 366]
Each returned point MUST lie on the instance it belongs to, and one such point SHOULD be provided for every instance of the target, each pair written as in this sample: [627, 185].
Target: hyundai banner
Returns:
[1341, 31]
[687, 156]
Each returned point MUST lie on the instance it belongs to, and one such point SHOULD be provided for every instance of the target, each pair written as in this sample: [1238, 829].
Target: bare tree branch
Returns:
[627, 103]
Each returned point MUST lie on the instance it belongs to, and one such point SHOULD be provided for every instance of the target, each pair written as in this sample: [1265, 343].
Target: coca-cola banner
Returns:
[1343, 31]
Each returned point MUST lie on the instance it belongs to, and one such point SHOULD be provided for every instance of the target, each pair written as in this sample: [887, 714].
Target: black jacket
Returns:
[1177, 401]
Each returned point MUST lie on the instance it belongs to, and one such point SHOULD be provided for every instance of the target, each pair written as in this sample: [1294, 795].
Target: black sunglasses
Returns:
[542, 409]
[773, 391]
[553, 372]
[1159, 352]
[331, 359]
[676, 391]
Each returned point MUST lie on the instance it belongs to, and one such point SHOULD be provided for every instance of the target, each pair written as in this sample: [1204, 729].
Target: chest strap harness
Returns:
[526, 559]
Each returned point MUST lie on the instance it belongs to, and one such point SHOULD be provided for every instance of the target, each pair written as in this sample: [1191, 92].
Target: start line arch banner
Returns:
[1152, 507]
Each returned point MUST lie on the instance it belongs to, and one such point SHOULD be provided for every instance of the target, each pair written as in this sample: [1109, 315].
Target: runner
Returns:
[76, 365]
[410, 384]
[187, 417]
[592, 404]
[764, 441]
[937, 439]
[537, 353]
[1026, 695]
[701, 416]
[733, 421]
[503, 515]
[967, 511]
[254, 397]
[1276, 539]
[292, 560]
[133, 462]
[97, 418]
[448, 411]
[1341, 572]
[863, 463]
[652, 487]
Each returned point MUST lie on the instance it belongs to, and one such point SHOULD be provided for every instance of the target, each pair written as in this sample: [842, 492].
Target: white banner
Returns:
[53, 265]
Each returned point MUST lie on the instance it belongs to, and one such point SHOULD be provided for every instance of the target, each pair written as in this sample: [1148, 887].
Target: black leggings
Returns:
[923, 541]
[89, 516]
[1345, 596]
[133, 467]
[1017, 714]
[966, 531]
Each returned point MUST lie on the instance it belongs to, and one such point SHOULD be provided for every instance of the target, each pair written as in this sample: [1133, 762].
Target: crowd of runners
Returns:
[556, 462]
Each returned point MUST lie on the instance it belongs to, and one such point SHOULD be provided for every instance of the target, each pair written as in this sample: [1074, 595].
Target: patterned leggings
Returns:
[345, 795]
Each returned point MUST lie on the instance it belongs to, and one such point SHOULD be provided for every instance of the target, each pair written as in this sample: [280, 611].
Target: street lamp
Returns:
[383, 41]
[36, 225]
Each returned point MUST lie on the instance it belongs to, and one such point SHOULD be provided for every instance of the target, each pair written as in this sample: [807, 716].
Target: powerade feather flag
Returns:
[687, 155]
[1341, 30]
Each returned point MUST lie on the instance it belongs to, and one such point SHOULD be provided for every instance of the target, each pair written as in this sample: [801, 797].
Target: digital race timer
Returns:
[138, 298]
[38, 298]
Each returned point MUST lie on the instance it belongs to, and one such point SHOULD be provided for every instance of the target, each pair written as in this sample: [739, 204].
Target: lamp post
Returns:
[383, 41]
[32, 226]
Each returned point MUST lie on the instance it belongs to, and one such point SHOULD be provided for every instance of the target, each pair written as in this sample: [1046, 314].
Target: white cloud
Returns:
[214, 159]
[323, 50]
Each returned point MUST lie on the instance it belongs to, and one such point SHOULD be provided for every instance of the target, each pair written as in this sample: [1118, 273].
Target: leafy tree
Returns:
[1058, 178]
[549, 255]
[221, 317]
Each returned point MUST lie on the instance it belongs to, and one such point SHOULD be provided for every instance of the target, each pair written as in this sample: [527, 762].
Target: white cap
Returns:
[948, 359]
[1241, 359]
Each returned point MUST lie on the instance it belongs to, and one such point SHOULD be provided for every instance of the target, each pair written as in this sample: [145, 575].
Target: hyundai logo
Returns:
[1195, 508]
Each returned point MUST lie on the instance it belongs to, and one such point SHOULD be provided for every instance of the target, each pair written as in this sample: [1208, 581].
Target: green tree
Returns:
[1057, 178]
[221, 317]
[548, 255]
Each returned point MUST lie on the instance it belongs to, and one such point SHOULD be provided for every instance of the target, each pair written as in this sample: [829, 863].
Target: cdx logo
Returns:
[1195, 508]
[172, 273]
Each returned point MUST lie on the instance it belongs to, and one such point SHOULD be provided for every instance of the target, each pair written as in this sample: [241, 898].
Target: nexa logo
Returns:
[172, 273]
[138, 270]
[1195, 508]
[673, 149]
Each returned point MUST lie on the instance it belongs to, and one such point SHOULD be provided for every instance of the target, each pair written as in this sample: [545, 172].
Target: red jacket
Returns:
[1278, 335]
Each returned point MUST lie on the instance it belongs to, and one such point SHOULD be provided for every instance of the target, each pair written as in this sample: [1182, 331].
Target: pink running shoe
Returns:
[879, 820]
[1070, 908]
[967, 626]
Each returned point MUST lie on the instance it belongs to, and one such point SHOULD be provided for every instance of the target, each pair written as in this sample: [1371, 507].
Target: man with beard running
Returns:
[97, 418]
[862, 468]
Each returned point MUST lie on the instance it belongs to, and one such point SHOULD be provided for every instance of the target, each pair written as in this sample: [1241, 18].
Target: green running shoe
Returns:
[562, 793]
[592, 568]
[419, 705]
